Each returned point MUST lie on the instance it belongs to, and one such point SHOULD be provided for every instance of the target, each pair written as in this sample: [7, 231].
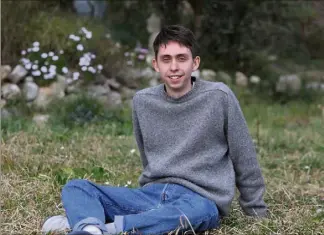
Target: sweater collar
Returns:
[195, 85]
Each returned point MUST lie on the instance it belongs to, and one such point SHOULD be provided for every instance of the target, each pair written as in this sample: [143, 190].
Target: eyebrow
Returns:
[178, 55]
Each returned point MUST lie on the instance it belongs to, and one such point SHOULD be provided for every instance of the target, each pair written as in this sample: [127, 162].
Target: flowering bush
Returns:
[137, 57]
[45, 66]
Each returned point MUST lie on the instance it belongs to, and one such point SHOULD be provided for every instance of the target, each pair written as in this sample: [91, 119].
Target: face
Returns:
[175, 64]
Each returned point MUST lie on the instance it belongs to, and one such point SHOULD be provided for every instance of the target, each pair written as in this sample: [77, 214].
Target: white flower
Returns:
[89, 35]
[52, 69]
[55, 58]
[129, 62]
[129, 182]
[93, 56]
[35, 66]
[84, 68]
[91, 69]
[51, 53]
[23, 52]
[76, 75]
[61, 52]
[65, 70]
[35, 49]
[117, 44]
[36, 61]
[132, 151]
[44, 55]
[36, 73]
[107, 35]
[254, 79]
[36, 44]
[46, 76]
[29, 49]
[71, 36]
[49, 76]
[80, 47]
[44, 69]
[99, 66]
[126, 54]
[25, 60]
[84, 61]
[28, 66]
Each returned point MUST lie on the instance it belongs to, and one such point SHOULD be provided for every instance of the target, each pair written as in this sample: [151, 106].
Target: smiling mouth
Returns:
[174, 77]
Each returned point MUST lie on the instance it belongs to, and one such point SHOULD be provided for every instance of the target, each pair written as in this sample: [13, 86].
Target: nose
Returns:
[174, 65]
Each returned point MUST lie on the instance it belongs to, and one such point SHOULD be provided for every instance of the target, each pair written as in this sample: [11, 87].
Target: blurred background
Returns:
[271, 47]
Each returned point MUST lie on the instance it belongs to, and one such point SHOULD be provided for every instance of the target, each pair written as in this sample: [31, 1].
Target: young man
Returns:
[195, 148]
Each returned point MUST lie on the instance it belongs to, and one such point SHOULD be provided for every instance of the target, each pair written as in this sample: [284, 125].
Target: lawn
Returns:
[37, 161]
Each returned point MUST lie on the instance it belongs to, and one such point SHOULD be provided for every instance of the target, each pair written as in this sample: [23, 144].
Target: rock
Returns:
[153, 23]
[289, 83]
[135, 77]
[127, 93]
[5, 71]
[73, 89]
[2, 103]
[240, 79]
[313, 75]
[208, 74]
[90, 8]
[196, 74]
[115, 99]
[223, 77]
[149, 74]
[10, 91]
[112, 83]
[17, 74]
[315, 86]
[5, 114]
[40, 119]
[97, 91]
[44, 97]
[112, 100]
[29, 79]
[151, 40]
[30, 90]
[47, 94]
[153, 82]
[255, 79]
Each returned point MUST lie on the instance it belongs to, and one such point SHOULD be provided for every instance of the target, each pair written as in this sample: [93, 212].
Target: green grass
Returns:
[37, 161]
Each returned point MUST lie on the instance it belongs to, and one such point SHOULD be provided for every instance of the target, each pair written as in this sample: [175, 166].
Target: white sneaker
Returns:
[56, 223]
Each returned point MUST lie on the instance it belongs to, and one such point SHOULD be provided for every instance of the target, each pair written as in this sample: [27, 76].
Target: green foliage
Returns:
[84, 110]
[15, 124]
[241, 28]
[63, 175]
[127, 22]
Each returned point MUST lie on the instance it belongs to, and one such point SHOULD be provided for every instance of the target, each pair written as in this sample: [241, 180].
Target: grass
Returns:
[36, 162]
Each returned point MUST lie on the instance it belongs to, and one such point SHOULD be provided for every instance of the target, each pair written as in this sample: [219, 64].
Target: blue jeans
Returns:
[152, 209]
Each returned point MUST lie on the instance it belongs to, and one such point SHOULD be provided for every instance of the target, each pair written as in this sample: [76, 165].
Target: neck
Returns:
[175, 94]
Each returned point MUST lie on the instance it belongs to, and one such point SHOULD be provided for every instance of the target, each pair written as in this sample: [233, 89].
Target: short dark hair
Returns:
[177, 33]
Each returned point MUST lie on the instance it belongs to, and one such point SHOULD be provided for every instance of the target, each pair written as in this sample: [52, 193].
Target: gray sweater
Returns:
[201, 141]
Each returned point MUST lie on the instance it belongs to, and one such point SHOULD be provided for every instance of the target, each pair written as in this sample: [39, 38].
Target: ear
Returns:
[196, 63]
[155, 65]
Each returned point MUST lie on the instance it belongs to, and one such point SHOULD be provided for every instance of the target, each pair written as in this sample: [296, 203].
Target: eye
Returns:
[182, 58]
[166, 59]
